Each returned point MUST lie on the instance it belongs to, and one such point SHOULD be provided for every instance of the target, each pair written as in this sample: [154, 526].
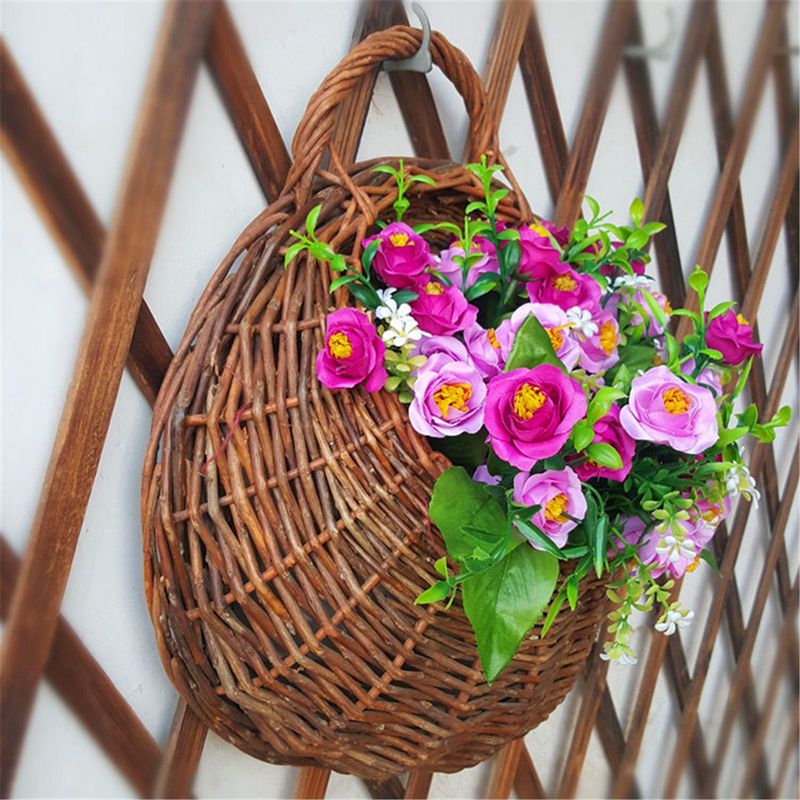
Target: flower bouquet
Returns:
[583, 435]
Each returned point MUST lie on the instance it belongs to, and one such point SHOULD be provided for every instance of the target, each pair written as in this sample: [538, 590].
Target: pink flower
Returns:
[632, 530]
[530, 413]
[599, 351]
[560, 496]
[707, 377]
[402, 257]
[449, 398]
[609, 431]
[565, 288]
[432, 345]
[353, 352]
[442, 310]
[482, 475]
[675, 552]
[664, 409]
[732, 335]
[485, 349]
[538, 257]
[451, 269]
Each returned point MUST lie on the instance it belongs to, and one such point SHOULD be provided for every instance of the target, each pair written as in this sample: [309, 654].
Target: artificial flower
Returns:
[442, 310]
[732, 335]
[402, 256]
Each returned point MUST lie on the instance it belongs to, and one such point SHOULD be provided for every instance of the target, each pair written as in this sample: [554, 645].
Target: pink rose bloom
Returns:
[530, 413]
[566, 289]
[485, 349]
[442, 310]
[431, 345]
[664, 409]
[732, 335]
[402, 257]
[482, 475]
[553, 319]
[353, 352]
[707, 377]
[667, 553]
[538, 258]
[609, 431]
[560, 496]
[599, 351]
[451, 269]
[449, 398]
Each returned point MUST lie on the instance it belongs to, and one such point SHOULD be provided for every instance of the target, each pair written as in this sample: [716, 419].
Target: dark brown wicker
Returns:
[285, 526]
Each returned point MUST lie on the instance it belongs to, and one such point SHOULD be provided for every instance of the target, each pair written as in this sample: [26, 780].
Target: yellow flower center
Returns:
[564, 283]
[556, 339]
[538, 228]
[452, 395]
[492, 337]
[400, 240]
[608, 337]
[527, 400]
[432, 287]
[555, 508]
[676, 401]
[339, 345]
[741, 320]
[694, 565]
[667, 307]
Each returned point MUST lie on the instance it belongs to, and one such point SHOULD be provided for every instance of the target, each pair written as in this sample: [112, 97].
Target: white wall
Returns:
[86, 62]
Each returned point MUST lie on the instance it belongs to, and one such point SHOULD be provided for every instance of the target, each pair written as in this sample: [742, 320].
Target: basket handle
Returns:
[315, 131]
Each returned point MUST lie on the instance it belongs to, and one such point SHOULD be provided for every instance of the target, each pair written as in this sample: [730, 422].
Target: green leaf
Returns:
[292, 251]
[504, 602]
[600, 544]
[365, 295]
[368, 256]
[467, 514]
[637, 240]
[434, 593]
[532, 346]
[342, 281]
[484, 284]
[720, 309]
[552, 613]
[441, 566]
[594, 206]
[404, 296]
[601, 403]
[572, 591]
[652, 228]
[637, 212]
[386, 169]
[781, 417]
[338, 262]
[637, 356]
[582, 435]
[605, 455]
[311, 219]
[426, 179]
[728, 435]
[537, 537]
[465, 450]
[710, 559]
[698, 280]
[656, 310]
[476, 205]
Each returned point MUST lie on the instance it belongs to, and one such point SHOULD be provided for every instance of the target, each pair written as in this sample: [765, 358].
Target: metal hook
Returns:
[421, 60]
[660, 51]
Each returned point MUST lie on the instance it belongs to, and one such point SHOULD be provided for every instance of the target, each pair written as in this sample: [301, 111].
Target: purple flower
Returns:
[560, 496]
[708, 377]
[482, 475]
[402, 257]
[442, 310]
[664, 409]
[609, 431]
[632, 530]
[451, 269]
[732, 335]
[485, 349]
[353, 352]
[449, 345]
[530, 413]
[565, 288]
[449, 398]
[599, 351]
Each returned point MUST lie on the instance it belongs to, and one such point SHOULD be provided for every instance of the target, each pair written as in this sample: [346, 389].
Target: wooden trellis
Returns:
[120, 329]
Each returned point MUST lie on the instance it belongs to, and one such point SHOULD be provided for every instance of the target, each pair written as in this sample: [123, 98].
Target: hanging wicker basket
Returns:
[286, 531]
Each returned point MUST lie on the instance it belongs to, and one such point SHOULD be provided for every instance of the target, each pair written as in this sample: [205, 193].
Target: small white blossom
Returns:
[739, 481]
[401, 327]
[673, 619]
[633, 282]
[581, 320]
[675, 549]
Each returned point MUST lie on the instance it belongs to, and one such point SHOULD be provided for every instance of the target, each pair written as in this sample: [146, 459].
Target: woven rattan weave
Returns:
[285, 526]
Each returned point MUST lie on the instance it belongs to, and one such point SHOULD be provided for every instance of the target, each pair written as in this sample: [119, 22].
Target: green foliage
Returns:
[403, 182]
[532, 346]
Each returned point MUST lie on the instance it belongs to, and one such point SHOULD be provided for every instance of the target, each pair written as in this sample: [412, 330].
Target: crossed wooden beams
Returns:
[120, 327]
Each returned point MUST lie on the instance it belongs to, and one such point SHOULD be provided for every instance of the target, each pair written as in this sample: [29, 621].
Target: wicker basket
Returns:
[285, 526]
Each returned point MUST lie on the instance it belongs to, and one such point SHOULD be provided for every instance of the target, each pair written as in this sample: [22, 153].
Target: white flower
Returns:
[739, 481]
[633, 282]
[675, 549]
[581, 320]
[401, 327]
[673, 619]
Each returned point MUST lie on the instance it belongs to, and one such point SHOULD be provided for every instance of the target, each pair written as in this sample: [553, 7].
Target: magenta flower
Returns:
[599, 351]
[449, 398]
[530, 413]
[485, 349]
[732, 335]
[664, 409]
[565, 288]
[451, 269]
[402, 257]
[560, 496]
[442, 310]
[538, 258]
[609, 431]
[353, 352]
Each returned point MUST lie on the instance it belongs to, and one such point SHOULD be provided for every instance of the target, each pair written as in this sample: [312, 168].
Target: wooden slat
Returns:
[245, 103]
[312, 783]
[38, 160]
[590, 125]
[527, 783]
[181, 755]
[612, 738]
[391, 789]
[115, 303]
[503, 771]
[89, 693]
[419, 784]
[544, 108]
